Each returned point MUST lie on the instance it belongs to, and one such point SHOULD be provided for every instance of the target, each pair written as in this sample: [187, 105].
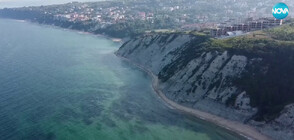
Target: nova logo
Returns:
[280, 11]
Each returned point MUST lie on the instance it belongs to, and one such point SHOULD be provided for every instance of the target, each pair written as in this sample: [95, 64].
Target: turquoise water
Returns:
[58, 84]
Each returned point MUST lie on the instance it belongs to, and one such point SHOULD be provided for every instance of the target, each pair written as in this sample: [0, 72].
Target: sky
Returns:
[21, 3]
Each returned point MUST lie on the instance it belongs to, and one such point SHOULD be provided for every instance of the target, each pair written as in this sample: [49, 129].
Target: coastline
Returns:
[243, 130]
[116, 40]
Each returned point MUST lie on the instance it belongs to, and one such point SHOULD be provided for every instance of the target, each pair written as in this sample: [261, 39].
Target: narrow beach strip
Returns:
[244, 130]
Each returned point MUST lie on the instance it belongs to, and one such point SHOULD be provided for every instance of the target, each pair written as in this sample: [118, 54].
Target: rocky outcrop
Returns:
[202, 78]
[205, 83]
[282, 128]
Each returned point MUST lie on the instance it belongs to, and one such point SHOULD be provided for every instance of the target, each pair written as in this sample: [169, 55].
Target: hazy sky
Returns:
[20, 3]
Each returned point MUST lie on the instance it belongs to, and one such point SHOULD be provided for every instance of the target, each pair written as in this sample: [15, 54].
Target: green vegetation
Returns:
[269, 81]
[132, 29]
[285, 33]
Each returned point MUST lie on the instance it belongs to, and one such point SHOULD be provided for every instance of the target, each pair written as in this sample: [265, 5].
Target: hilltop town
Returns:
[129, 18]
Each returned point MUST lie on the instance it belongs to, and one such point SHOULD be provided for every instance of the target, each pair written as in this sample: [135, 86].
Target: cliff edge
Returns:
[246, 79]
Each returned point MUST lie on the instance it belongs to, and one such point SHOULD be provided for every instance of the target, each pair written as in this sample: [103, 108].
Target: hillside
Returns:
[247, 79]
[130, 18]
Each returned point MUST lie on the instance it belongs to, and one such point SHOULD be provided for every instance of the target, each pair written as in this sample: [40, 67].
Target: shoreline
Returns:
[116, 40]
[241, 129]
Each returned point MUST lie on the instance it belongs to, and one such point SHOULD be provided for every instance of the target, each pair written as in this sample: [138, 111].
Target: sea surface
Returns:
[64, 85]
[21, 3]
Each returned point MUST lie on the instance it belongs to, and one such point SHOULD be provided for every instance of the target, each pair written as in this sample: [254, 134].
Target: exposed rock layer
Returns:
[203, 79]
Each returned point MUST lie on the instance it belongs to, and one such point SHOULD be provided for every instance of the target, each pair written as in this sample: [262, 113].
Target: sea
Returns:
[58, 84]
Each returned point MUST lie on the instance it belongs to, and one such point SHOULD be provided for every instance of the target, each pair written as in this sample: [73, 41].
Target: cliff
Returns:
[246, 79]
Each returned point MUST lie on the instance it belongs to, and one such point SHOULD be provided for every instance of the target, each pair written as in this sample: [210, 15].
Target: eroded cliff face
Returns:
[201, 78]
[203, 81]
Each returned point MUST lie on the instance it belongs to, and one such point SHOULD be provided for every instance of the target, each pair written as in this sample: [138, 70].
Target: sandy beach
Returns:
[244, 130]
